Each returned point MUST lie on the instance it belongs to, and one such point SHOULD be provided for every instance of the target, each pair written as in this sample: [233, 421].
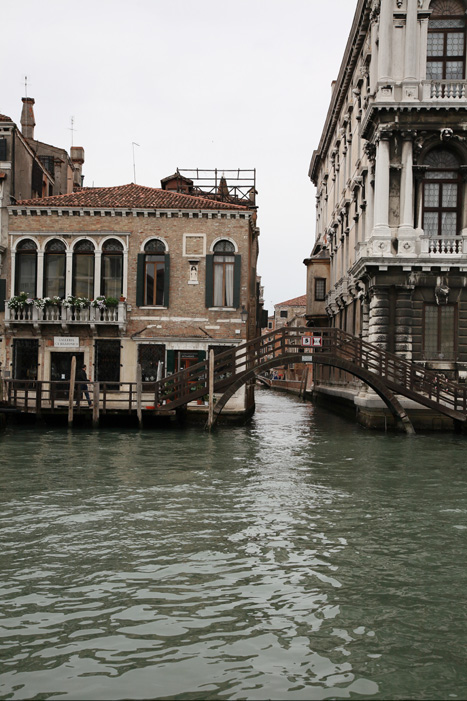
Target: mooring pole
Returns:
[71, 392]
[139, 391]
[211, 389]
[95, 404]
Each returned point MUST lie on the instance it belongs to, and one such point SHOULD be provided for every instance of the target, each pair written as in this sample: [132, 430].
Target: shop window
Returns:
[26, 267]
[223, 269]
[55, 269]
[112, 268]
[439, 332]
[153, 277]
[149, 357]
[83, 269]
[446, 41]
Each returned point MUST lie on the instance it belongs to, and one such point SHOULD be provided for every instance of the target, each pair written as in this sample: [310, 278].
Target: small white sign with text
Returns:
[66, 342]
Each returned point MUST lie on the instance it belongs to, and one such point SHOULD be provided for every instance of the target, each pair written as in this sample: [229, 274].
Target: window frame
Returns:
[320, 298]
[445, 58]
[47, 258]
[19, 253]
[440, 208]
[92, 278]
[440, 333]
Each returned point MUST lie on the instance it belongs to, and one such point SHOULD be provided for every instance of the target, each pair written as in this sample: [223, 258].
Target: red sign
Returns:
[312, 341]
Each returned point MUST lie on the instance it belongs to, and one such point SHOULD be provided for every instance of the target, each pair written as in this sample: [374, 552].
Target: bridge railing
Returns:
[401, 375]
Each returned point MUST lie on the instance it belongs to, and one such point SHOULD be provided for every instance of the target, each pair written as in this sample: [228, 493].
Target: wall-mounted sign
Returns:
[314, 341]
[66, 342]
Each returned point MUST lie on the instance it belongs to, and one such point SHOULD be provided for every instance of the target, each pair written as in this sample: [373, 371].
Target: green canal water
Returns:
[298, 557]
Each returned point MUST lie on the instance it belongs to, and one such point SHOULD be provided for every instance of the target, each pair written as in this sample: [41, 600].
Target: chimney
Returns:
[27, 118]
[77, 158]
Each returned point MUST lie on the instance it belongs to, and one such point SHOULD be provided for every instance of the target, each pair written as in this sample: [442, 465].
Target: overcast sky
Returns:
[213, 84]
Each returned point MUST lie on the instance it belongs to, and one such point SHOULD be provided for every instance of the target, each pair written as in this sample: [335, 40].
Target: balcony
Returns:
[444, 90]
[31, 315]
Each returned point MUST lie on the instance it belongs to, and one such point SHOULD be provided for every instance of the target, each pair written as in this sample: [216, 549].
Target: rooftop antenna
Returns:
[72, 129]
[25, 86]
[133, 143]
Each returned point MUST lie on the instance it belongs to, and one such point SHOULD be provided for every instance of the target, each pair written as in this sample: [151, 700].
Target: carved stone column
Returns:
[404, 323]
[406, 234]
[378, 323]
[410, 87]
[385, 41]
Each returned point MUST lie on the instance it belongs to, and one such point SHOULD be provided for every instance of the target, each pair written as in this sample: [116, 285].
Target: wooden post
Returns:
[38, 399]
[211, 389]
[71, 392]
[139, 391]
[95, 404]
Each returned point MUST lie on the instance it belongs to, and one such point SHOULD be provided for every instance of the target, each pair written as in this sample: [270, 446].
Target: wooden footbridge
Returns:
[225, 373]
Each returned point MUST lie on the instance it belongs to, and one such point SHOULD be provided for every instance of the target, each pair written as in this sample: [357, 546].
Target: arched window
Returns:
[442, 194]
[54, 269]
[446, 41]
[83, 269]
[26, 267]
[153, 275]
[223, 269]
[224, 263]
[112, 268]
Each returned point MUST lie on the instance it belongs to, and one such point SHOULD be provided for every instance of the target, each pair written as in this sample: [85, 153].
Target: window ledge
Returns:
[222, 309]
[146, 307]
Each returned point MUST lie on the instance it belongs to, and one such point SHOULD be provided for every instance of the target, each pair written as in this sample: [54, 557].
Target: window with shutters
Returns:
[154, 273]
[2, 149]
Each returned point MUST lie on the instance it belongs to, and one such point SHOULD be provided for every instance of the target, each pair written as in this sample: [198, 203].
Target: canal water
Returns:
[298, 557]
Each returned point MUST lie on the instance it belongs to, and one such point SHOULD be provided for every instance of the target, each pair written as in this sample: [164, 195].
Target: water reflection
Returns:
[299, 557]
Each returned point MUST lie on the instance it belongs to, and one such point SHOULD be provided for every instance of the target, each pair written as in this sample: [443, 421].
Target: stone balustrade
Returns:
[59, 314]
[444, 90]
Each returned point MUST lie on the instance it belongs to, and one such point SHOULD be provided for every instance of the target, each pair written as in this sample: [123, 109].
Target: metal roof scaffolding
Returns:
[237, 186]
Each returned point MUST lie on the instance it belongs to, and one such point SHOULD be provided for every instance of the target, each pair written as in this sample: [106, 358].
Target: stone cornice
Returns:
[351, 55]
[28, 211]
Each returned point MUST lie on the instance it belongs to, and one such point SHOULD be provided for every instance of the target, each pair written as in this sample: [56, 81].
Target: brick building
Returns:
[175, 274]
[30, 168]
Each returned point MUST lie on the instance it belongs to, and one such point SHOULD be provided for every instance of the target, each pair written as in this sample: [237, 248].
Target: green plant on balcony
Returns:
[102, 302]
[76, 302]
[20, 301]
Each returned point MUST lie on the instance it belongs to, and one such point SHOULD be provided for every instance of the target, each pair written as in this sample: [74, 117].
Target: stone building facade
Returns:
[172, 275]
[390, 172]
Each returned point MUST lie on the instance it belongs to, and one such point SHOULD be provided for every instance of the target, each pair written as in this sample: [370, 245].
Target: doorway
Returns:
[60, 369]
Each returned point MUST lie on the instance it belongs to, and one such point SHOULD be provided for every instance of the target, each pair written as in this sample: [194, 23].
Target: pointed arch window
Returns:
[442, 194]
[26, 267]
[112, 268]
[446, 41]
[83, 269]
[55, 269]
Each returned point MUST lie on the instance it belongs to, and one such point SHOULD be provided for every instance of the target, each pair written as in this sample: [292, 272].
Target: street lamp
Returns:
[244, 314]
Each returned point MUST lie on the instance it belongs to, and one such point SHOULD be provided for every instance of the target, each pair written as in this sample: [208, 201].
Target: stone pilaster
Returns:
[404, 323]
[406, 233]
[378, 323]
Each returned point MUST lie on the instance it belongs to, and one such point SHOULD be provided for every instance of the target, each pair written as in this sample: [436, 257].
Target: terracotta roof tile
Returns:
[296, 302]
[4, 118]
[129, 197]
